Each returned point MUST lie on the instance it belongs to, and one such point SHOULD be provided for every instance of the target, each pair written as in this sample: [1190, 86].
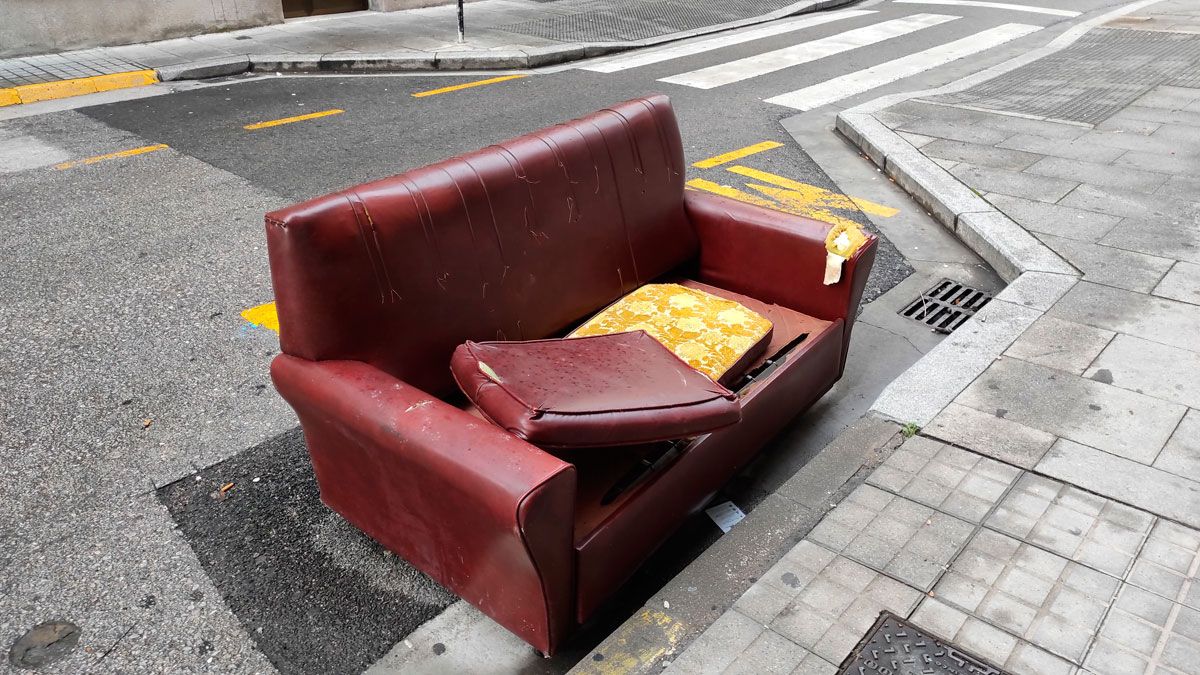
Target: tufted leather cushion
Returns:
[513, 242]
[595, 391]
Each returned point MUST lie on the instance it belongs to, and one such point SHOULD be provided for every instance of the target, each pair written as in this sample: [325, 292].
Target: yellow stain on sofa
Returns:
[263, 315]
[46, 91]
[111, 155]
[638, 644]
[734, 155]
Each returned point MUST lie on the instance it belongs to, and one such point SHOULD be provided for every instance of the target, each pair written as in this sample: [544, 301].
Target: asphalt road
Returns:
[132, 382]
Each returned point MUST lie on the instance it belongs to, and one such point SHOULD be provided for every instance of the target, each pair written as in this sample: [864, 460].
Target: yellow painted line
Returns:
[815, 195]
[732, 193]
[636, 647]
[467, 85]
[771, 197]
[263, 315]
[45, 91]
[112, 155]
[736, 154]
[289, 120]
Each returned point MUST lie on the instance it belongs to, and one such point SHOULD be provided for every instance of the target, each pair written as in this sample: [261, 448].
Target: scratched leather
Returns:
[376, 285]
[513, 242]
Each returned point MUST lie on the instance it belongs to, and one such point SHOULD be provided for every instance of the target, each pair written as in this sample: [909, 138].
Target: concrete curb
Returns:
[484, 59]
[706, 588]
[1037, 276]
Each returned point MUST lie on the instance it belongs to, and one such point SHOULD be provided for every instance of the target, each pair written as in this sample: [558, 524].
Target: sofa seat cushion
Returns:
[717, 336]
[596, 391]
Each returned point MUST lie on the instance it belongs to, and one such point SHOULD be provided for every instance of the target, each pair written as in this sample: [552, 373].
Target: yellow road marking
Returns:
[640, 643]
[289, 120]
[796, 202]
[815, 195]
[736, 154]
[263, 315]
[45, 91]
[467, 85]
[112, 155]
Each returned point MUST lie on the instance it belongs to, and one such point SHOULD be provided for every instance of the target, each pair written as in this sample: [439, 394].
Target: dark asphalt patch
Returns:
[315, 594]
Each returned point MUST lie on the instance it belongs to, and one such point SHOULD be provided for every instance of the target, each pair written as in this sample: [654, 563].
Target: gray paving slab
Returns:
[1181, 455]
[987, 641]
[1160, 320]
[1181, 187]
[1057, 147]
[907, 541]
[1168, 564]
[964, 484]
[1161, 115]
[1159, 370]
[1109, 265]
[1095, 173]
[1146, 633]
[1124, 480]
[1071, 407]
[1041, 597]
[835, 606]
[1167, 237]
[989, 435]
[1060, 344]
[1125, 203]
[964, 132]
[1089, 529]
[1172, 164]
[1016, 183]
[1055, 219]
[718, 647]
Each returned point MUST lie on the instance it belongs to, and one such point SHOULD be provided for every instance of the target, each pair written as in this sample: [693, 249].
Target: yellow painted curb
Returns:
[45, 91]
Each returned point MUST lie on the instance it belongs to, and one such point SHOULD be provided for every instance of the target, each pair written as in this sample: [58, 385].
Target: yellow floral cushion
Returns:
[711, 334]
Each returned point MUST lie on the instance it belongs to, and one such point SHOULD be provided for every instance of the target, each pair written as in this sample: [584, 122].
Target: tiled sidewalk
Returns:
[1046, 517]
[1029, 573]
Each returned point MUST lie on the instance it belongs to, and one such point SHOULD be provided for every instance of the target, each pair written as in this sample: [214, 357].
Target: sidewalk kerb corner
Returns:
[1037, 276]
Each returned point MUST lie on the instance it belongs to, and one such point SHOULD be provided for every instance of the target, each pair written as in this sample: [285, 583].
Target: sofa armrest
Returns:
[486, 514]
[776, 257]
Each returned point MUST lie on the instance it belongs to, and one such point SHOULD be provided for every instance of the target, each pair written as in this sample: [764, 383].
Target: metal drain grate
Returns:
[946, 306]
[894, 646]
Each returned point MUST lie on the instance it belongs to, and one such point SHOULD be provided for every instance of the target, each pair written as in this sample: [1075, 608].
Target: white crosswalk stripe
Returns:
[838, 88]
[993, 5]
[769, 62]
[645, 58]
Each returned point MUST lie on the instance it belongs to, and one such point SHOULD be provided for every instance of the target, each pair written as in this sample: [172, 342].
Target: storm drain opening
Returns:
[894, 646]
[946, 306]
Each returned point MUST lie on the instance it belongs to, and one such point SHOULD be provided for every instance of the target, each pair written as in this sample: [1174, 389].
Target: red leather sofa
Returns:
[377, 284]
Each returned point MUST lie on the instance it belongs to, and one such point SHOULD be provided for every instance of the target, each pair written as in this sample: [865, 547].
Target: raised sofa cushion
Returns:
[592, 392]
[717, 336]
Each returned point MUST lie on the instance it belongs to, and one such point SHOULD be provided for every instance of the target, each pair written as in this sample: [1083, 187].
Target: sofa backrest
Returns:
[515, 241]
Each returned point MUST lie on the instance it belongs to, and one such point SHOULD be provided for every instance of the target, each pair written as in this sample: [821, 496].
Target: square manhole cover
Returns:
[946, 306]
[894, 646]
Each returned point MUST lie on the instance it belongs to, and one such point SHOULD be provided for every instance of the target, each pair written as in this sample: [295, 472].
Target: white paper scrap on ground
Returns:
[725, 515]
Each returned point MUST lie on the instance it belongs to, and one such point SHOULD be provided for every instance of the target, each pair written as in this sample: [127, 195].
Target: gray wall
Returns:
[41, 26]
